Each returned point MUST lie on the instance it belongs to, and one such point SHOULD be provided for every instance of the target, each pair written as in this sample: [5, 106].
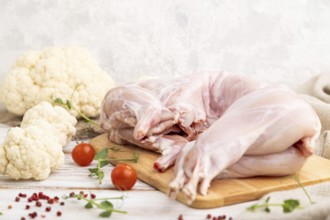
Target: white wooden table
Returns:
[142, 202]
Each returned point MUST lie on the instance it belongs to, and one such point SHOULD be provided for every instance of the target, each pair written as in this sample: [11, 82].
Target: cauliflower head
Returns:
[69, 73]
[55, 115]
[31, 152]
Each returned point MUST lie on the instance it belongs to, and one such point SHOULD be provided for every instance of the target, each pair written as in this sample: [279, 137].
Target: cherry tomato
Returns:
[123, 177]
[83, 154]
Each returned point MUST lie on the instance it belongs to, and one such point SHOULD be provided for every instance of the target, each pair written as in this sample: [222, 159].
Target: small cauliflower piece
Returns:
[57, 116]
[34, 150]
[31, 152]
[56, 72]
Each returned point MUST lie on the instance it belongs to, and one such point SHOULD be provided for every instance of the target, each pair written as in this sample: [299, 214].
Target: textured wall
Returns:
[280, 41]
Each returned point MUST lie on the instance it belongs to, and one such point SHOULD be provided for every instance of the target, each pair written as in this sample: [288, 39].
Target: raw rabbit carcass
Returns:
[213, 125]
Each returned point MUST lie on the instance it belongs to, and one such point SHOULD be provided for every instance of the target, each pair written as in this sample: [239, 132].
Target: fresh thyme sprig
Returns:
[102, 160]
[105, 205]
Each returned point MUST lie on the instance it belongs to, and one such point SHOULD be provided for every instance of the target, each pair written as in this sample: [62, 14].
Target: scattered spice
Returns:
[102, 160]
[104, 205]
[39, 198]
[219, 217]
[22, 195]
[33, 214]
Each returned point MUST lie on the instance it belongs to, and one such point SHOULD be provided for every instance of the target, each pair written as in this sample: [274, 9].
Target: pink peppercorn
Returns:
[33, 214]
[38, 204]
[21, 195]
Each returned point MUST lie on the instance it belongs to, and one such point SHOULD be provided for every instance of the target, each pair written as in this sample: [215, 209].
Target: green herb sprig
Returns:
[288, 205]
[68, 105]
[102, 160]
[105, 205]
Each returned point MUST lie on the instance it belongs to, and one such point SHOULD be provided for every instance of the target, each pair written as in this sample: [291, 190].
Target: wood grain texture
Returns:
[224, 191]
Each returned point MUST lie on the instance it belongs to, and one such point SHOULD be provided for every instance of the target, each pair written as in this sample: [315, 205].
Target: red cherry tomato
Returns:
[123, 177]
[83, 154]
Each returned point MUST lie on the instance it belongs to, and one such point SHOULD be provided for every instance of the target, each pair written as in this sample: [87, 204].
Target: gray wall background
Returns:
[277, 40]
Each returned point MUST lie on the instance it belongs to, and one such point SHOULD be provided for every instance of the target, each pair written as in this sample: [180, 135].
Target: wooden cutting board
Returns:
[222, 192]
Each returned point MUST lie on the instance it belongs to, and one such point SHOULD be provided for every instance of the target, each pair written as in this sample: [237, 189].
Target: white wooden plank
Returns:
[138, 204]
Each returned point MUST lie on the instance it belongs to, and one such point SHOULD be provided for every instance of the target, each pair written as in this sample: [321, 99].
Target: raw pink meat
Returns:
[213, 125]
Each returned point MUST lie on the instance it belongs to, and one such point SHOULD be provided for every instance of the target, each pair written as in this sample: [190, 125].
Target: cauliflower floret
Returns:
[31, 152]
[55, 73]
[57, 116]
[34, 150]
